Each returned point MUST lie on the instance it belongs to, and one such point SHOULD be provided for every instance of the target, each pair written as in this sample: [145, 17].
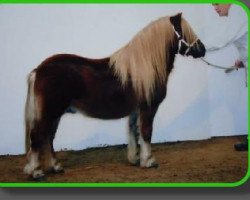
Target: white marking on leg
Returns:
[32, 164]
[145, 152]
[37, 174]
[57, 167]
[52, 162]
[146, 159]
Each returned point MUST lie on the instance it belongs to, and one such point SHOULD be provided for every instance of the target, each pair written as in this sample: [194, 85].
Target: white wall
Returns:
[201, 102]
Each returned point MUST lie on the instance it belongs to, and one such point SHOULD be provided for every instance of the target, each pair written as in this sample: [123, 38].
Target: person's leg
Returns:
[243, 146]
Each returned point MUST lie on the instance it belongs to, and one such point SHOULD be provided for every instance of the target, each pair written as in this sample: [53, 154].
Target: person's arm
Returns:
[235, 27]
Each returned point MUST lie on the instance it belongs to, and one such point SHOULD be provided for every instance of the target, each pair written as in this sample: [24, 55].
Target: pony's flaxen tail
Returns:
[30, 110]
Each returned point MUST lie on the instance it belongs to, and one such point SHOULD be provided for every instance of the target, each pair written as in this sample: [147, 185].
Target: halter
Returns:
[181, 40]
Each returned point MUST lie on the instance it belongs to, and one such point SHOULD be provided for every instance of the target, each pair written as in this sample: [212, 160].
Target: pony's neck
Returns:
[171, 58]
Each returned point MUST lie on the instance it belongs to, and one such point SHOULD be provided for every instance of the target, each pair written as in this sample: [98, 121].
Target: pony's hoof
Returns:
[135, 163]
[38, 175]
[58, 169]
[149, 163]
[154, 165]
[55, 171]
[39, 179]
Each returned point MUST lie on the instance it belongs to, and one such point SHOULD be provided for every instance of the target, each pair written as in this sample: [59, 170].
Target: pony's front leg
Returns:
[146, 128]
[133, 135]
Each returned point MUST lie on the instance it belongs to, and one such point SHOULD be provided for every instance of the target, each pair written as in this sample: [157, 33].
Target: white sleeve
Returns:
[227, 30]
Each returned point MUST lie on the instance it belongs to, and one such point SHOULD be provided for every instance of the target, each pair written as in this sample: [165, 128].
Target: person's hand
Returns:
[238, 64]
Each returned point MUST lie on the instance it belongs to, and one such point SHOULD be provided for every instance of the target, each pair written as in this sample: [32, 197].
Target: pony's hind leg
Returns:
[54, 165]
[41, 155]
[146, 127]
[133, 135]
[36, 156]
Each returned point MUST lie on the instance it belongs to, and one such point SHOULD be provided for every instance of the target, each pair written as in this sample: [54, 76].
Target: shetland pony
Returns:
[131, 82]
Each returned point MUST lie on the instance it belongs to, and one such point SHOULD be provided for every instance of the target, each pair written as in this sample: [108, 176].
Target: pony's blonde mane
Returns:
[188, 32]
[143, 60]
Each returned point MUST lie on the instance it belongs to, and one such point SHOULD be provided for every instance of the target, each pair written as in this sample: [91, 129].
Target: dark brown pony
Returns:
[131, 82]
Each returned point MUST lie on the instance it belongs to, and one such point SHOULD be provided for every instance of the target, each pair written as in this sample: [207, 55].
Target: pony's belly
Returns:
[106, 108]
[101, 114]
[105, 113]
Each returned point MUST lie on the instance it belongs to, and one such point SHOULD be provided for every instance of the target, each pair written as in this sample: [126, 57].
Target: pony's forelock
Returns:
[188, 32]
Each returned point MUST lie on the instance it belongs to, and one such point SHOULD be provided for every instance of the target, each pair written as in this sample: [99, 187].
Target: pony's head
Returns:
[188, 43]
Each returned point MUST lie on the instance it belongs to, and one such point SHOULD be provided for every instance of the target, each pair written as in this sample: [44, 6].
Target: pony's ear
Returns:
[176, 19]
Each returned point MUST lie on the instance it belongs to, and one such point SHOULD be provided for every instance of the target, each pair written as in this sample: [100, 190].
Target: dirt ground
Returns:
[213, 160]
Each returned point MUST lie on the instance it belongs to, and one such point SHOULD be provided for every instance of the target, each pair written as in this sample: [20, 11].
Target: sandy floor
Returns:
[213, 160]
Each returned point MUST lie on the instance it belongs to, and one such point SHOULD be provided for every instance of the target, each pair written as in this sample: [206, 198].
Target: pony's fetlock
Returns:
[55, 166]
[38, 175]
[135, 161]
[58, 168]
[149, 163]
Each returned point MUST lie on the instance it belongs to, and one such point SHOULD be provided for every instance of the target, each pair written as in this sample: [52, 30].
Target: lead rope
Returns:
[245, 74]
[228, 69]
